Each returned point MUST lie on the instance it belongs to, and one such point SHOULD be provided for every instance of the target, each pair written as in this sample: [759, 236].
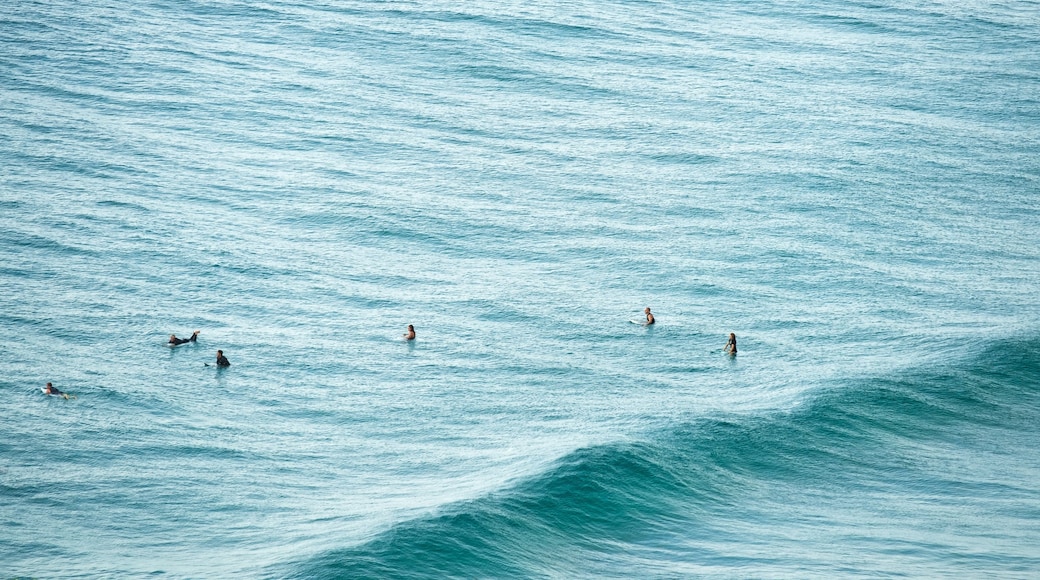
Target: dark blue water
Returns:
[852, 189]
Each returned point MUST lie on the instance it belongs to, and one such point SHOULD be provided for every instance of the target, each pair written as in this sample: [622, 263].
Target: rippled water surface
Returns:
[850, 188]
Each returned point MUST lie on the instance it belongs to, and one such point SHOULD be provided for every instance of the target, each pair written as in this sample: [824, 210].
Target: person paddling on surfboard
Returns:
[649, 317]
[410, 335]
[174, 341]
[51, 390]
[731, 345]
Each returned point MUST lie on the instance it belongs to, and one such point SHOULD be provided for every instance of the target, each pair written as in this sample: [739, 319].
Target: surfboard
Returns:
[65, 396]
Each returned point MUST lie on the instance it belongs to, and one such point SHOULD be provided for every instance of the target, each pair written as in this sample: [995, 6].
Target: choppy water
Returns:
[851, 188]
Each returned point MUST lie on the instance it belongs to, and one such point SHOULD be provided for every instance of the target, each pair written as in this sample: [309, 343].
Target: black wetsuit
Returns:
[222, 361]
[731, 346]
[176, 341]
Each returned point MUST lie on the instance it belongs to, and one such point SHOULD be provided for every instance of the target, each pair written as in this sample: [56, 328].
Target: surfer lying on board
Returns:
[51, 390]
[731, 345]
[410, 335]
[174, 341]
[649, 317]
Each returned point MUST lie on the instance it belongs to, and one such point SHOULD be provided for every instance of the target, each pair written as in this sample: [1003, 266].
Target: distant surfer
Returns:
[174, 341]
[731, 345]
[649, 317]
[410, 335]
[222, 360]
[52, 390]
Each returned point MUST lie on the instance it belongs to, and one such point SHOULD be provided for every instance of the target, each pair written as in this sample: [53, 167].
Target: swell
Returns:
[663, 497]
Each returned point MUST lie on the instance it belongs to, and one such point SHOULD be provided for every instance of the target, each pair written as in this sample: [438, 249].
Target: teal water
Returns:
[924, 468]
[851, 188]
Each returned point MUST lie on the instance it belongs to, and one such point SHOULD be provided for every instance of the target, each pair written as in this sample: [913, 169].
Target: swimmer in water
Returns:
[222, 360]
[731, 345]
[174, 341]
[410, 335]
[649, 317]
[51, 390]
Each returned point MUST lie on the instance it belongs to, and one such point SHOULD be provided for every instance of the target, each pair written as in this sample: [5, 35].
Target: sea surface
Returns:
[852, 188]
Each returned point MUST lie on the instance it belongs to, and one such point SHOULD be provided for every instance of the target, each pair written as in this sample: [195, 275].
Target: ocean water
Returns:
[853, 188]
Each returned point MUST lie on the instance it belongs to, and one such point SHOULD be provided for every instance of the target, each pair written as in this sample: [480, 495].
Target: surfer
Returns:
[222, 360]
[52, 390]
[174, 341]
[649, 317]
[410, 335]
[731, 345]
